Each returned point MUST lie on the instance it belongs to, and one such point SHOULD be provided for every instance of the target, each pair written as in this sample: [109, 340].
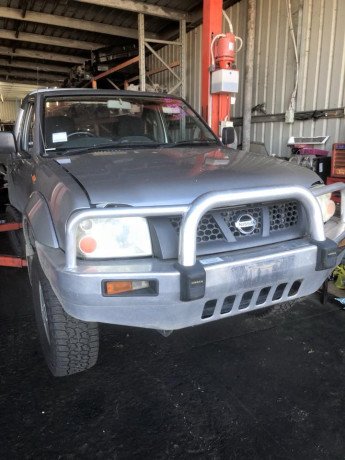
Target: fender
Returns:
[37, 214]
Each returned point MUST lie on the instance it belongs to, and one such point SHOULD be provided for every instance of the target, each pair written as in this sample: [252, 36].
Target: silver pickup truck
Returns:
[135, 213]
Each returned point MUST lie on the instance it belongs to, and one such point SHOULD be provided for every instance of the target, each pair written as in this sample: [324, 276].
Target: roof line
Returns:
[71, 23]
[141, 7]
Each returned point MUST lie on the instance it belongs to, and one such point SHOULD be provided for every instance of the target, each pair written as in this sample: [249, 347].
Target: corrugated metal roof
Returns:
[43, 41]
[101, 14]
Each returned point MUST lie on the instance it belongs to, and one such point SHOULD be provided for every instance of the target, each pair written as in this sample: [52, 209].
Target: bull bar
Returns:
[189, 285]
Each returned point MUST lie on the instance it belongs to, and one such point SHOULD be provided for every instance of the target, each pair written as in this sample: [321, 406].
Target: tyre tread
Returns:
[73, 343]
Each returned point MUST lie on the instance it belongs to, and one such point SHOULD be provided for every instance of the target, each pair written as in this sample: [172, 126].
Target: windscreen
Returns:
[77, 122]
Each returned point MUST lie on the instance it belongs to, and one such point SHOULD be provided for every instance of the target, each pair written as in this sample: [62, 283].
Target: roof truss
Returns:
[17, 35]
[141, 7]
[36, 76]
[66, 22]
[46, 40]
[7, 51]
[29, 65]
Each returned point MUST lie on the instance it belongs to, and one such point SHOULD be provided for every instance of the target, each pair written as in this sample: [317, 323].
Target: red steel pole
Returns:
[214, 107]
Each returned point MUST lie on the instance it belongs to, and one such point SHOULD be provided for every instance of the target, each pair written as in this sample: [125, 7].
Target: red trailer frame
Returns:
[8, 260]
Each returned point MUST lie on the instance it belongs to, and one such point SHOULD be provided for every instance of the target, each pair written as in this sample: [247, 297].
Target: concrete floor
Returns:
[242, 388]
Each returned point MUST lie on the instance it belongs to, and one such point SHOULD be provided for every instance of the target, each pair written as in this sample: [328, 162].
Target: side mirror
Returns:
[228, 135]
[7, 146]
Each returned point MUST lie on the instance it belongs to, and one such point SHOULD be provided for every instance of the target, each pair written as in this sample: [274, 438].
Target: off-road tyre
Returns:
[275, 310]
[69, 345]
[16, 237]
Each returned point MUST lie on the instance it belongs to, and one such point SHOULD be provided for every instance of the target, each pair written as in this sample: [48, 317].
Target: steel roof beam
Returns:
[34, 66]
[51, 41]
[70, 23]
[31, 75]
[141, 7]
[8, 51]
[24, 81]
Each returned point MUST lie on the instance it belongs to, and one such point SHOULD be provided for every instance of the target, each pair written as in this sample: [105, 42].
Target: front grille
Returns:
[208, 229]
[231, 216]
[239, 223]
[283, 215]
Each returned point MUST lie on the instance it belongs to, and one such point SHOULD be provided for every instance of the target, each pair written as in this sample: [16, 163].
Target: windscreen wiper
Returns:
[112, 145]
[193, 142]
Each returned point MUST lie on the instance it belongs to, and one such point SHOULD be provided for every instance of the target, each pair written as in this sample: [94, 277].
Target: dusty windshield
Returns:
[82, 122]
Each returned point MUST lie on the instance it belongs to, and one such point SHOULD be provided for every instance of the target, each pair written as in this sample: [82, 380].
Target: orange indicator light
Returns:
[117, 287]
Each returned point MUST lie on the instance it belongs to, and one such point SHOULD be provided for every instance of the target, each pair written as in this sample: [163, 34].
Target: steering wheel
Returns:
[80, 134]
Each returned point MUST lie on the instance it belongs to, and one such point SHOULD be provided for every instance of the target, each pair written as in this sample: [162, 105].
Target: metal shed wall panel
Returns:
[193, 70]
[274, 70]
[8, 110]
[320, 33]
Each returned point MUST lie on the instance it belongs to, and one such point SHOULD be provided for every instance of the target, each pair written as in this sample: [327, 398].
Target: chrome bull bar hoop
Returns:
[337, 187]
[193, 213]
[211, 200]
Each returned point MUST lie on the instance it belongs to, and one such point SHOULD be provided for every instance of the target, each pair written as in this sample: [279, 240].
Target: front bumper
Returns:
[235, 282]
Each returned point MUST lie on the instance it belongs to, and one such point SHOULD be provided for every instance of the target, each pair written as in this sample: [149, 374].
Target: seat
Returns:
[57, 124]
[130, 126]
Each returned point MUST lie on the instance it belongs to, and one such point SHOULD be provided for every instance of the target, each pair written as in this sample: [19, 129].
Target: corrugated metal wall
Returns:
[320, 33]
[12, 95]
[319, 26]
[274, 70]
[8, 110]
[322, 66]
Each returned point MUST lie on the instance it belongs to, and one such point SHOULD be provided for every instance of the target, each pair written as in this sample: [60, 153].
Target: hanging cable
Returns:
[228, 20]
[292, 104]
[213, 66]
[241, 43]
[226, 17]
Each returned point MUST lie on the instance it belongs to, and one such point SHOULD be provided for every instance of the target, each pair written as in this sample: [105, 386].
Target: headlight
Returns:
[106, 238]
[327, 206]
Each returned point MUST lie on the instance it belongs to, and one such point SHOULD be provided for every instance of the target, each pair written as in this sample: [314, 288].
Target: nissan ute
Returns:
[135, 213]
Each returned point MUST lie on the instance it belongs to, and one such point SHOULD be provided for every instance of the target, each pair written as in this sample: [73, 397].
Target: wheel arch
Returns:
[38, 222]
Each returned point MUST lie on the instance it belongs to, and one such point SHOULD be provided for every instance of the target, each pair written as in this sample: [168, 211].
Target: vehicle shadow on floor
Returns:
[238, 388]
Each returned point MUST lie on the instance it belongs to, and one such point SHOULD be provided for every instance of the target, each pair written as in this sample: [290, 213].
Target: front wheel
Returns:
[69, 345]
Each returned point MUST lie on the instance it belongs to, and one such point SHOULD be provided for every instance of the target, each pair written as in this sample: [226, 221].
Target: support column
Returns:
[215, 107]
[211, 25]
[142, 70]
[183, 57]
[248, 78]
